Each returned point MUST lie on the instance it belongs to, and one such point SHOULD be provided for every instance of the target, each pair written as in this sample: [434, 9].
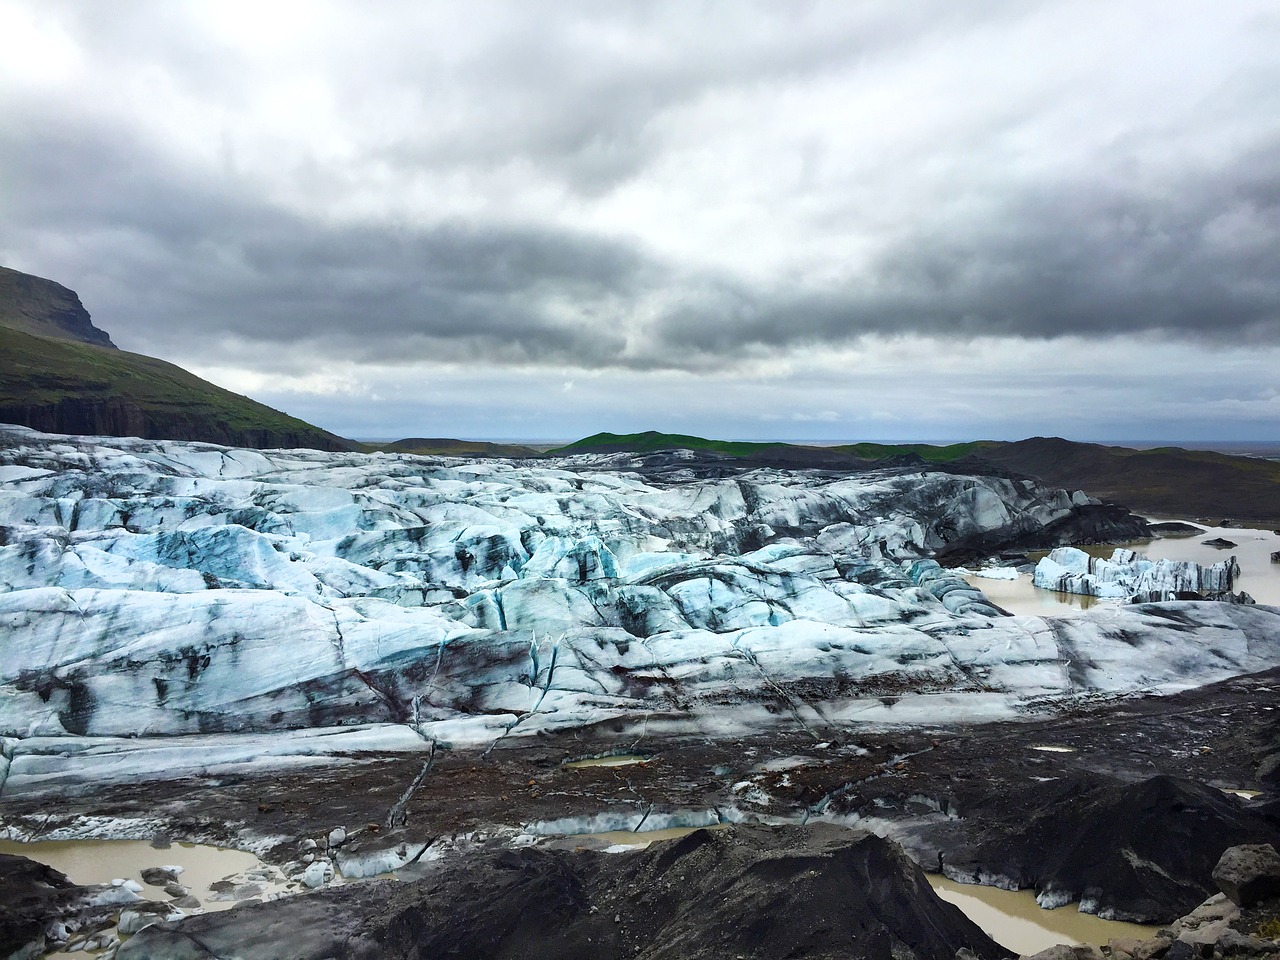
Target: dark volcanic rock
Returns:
[1220, 543]
[1249, 873]
[760, 892]
[1086, 523]
[34, 898]
[1136, 851]
[30, 894]
[1175, 528]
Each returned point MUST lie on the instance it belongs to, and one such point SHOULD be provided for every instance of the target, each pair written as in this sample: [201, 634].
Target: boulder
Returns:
[1249, 873]
[160, 876]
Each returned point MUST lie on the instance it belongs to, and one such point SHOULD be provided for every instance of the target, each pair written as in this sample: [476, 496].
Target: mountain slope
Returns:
[60, 386]
[61, 374]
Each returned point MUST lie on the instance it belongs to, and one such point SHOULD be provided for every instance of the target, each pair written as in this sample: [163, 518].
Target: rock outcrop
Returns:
[40, 908]
[1142, 852]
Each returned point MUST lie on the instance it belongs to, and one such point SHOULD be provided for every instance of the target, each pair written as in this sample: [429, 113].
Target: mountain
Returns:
[42, 307]
[61, 374]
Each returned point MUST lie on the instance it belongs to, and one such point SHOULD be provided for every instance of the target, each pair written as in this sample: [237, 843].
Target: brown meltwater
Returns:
[1014, 919]
[630, 838]
[101, 861]
[89, 862]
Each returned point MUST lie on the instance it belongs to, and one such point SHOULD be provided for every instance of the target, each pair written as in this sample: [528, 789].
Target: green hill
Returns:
[925, 451]
[64, 386]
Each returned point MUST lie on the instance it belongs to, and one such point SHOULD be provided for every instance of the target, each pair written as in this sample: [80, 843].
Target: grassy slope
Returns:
[925, 451]
[42, 372]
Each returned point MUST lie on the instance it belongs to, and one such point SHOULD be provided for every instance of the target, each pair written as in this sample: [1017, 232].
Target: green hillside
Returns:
[925, 451]
[64, 386]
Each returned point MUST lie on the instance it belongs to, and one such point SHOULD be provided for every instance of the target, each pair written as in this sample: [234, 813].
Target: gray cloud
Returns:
[1196, 257]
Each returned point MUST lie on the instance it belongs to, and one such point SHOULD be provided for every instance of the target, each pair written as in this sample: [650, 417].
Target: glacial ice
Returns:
[1129, 575]
[194, 607]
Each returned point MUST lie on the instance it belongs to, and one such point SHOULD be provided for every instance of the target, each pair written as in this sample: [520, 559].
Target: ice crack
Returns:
[397, 816]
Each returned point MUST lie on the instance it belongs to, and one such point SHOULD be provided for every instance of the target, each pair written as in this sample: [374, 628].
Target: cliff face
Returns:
[47, 309]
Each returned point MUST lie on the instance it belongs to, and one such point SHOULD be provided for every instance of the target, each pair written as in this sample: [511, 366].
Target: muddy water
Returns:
[1014, 919]
[1259, 577]
[101, 861]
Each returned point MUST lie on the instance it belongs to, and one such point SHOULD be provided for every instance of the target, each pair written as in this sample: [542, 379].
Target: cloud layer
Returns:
[715, 195]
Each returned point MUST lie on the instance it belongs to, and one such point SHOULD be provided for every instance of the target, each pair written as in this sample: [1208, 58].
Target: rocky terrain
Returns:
[271, 649]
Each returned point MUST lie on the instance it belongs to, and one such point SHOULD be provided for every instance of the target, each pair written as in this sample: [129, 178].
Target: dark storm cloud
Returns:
[188, 258]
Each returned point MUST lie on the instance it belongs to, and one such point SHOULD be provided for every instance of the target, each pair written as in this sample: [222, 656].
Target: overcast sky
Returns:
[797, 220]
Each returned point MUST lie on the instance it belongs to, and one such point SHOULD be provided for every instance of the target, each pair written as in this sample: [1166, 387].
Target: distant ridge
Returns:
[61, 374]
[651, 440]
[1161, 482]
[448, 447]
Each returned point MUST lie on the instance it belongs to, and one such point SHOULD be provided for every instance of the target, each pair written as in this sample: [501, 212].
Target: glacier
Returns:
[189, 607]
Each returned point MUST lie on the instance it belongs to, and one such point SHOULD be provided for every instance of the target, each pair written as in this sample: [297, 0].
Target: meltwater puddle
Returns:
[614, 760]
[100, 861]
[1014, 919]
[217, 877]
